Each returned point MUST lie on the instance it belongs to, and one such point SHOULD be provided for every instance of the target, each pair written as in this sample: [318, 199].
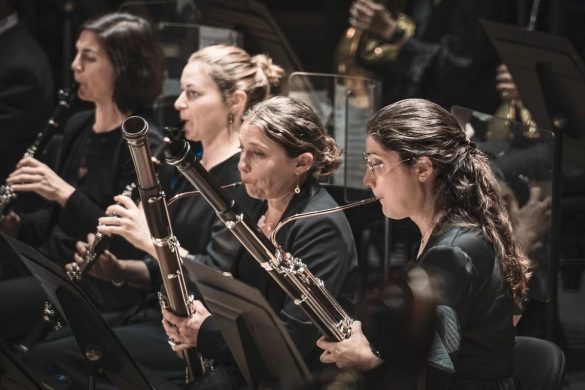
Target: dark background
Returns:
[312, 27]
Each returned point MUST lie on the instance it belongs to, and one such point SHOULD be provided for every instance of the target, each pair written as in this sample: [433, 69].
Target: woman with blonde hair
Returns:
[218, 84]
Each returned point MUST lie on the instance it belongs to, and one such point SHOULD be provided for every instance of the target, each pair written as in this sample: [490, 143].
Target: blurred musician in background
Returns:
[447, 58]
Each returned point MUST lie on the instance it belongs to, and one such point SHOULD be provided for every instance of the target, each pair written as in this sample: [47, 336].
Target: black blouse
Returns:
[99, 166]
[467, 277]
[194, 222]
[325, 244]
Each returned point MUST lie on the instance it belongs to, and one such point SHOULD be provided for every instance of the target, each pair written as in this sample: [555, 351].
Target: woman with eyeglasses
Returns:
[421, 166]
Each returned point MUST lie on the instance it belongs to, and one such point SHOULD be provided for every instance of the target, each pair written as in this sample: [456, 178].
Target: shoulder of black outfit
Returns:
[475, 307]
[458, 255]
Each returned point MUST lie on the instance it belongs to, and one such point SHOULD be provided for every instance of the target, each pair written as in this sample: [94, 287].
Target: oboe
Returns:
[306, 290]
[65, 98]
[101, 241]
[135, 131]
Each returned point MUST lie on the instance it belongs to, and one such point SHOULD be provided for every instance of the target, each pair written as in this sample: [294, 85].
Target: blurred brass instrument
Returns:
[357, 49]
[514, 109]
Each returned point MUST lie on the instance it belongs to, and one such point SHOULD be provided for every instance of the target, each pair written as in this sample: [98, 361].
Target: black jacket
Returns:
[99, 166]
[467, 278]
[325, 244]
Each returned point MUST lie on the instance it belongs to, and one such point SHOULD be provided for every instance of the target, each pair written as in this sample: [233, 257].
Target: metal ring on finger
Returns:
[174, 343]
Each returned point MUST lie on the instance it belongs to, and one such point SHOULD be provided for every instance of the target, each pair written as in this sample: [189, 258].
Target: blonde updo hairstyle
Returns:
[294, 125]
[233, 69]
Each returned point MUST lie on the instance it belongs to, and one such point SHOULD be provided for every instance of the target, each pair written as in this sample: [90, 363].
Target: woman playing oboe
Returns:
[119, 69]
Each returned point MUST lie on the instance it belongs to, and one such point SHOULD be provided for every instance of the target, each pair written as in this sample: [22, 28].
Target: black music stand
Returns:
[261, 33]
[14, 375]
[255, 335]
[251, 18]
[100, 347]
[550, 76]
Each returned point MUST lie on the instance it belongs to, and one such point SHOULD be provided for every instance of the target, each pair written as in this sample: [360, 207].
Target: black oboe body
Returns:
[65, 98]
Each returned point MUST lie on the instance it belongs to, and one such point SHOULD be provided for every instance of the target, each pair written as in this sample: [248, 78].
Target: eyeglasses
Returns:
[373, 166]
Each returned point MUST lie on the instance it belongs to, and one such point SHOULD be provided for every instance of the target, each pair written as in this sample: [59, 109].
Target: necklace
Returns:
[422, 238]
[264, 223]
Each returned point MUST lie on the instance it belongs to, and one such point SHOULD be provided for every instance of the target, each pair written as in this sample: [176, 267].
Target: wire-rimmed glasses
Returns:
[374, 166]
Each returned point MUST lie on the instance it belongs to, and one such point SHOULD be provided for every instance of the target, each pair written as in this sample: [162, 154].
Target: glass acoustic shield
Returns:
[521, 156]
[344, 104]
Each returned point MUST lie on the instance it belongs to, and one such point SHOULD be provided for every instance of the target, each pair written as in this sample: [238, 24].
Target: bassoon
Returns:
[134, 130]
[306, 290]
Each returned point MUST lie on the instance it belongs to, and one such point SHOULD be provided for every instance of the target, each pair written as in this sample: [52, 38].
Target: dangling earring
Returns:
[230, 119]
[297, 188]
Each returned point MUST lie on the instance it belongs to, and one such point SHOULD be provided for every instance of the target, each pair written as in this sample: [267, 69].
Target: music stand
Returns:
[261, 33]
[14, 375]
[255, 335]
[100, 347]
[550, 76]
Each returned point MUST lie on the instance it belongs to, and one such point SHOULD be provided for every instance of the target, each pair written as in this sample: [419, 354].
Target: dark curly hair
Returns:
[465, 188]
[136, 54]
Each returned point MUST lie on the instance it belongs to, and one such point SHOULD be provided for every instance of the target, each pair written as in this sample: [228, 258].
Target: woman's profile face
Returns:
[93, 70]
[391, 180]
[265, 168]
[200, 104]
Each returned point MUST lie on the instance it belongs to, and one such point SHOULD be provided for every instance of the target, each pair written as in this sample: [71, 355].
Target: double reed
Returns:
[65, 98]
[135, 131]
[306, 290]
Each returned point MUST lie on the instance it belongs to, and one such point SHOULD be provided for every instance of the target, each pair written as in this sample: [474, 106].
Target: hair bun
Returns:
[272, 73]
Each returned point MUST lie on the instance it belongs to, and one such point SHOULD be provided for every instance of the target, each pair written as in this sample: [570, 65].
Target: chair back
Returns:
[538, 364]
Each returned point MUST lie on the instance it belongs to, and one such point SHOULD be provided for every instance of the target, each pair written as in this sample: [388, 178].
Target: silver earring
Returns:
[230, 118]
[297, 188]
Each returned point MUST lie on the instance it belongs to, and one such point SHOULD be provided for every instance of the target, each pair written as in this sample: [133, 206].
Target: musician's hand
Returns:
[505, 84]
[532, 220]
[354, 352]
[127, 220]
[374, 17]
[11, 224]
[106, 266]
[32, 175]
[184, 331]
